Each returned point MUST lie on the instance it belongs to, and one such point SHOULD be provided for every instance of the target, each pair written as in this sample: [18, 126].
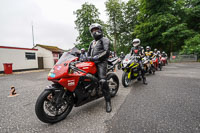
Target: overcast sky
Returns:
[53, 22]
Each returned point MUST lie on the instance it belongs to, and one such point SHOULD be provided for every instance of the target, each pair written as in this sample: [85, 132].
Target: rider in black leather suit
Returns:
[83, 56]
[137, 50]
[98, 52]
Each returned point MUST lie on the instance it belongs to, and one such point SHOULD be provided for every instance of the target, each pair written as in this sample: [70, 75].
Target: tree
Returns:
[130, 12]
[193, 15]
[155, 18]
[114, 12]
[85, 16]
[192, 45]
[176, 35]
[122, 21]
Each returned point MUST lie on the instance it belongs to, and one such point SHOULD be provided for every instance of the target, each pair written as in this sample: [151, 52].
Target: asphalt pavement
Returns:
[168, 104]
[18, 113]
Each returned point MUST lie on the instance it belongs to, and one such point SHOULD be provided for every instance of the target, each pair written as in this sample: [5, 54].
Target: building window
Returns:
[30, 56]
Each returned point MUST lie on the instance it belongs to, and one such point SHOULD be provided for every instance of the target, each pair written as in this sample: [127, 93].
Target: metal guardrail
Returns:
[184, 58]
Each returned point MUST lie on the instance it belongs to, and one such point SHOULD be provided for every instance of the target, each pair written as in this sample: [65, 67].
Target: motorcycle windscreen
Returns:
[127, 56]
[60, 69]
[66, 56]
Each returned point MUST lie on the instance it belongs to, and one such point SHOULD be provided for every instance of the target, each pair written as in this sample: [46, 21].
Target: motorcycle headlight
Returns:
[125, 63]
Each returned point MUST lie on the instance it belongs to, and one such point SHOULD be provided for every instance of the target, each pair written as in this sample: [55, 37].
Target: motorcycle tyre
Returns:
[116, 79]
[39, 109]
[124, 75]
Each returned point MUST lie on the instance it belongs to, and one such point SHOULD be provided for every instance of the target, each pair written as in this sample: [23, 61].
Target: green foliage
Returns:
[130, 11]
[122, 21]
[176, 35]
[169, 25]
[193, 15]
[114, 12]
[154, 19]
[192, 45]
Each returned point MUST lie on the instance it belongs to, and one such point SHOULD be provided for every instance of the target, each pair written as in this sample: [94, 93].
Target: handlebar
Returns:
[73, 67]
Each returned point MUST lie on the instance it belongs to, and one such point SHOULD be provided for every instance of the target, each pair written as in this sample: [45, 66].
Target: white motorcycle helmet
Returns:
[136, 42]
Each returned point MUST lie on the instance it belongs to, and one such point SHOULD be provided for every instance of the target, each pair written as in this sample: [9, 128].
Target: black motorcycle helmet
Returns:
[148, 48]
[96, 31]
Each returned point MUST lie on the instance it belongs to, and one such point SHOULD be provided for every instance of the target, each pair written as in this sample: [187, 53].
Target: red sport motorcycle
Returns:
[164, 60]
[157, 62]
[74, 83]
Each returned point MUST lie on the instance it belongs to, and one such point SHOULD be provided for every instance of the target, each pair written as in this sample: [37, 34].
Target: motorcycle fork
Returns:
[60, 96]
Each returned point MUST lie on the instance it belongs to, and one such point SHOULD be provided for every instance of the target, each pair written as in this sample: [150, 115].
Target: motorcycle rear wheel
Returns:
[113, 83]
[45, 104]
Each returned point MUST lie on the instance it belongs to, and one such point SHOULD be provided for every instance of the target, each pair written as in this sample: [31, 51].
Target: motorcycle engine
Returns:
[90, 84]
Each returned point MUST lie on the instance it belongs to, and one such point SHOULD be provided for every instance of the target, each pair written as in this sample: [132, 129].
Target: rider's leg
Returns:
[142, 72]
[102, 71]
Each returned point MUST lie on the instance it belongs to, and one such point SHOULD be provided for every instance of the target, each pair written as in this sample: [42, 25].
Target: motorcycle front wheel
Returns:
[49, 110]
[125, 80]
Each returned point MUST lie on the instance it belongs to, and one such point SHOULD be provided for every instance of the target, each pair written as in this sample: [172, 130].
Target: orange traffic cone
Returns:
[12, 92]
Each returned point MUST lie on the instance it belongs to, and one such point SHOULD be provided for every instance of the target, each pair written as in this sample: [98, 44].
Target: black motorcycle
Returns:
[112, 62]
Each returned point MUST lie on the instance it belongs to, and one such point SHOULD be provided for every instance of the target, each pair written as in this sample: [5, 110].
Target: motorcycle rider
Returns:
[122, 56]
[142, 50]
[137, 50]
[158, 53]
[99, 51]
[83, 56]
[149, 54]
[155, 52]
[164, 54]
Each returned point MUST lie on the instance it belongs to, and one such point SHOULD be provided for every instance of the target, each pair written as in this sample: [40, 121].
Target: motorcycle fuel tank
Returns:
[88, 67]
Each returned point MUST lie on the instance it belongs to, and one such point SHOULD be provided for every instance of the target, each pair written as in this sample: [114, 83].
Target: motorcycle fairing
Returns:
[69, 83]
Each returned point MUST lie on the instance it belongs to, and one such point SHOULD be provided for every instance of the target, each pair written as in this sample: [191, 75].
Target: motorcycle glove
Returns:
[95, 58]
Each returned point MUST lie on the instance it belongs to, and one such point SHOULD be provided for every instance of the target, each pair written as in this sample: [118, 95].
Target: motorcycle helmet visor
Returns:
[95, 29]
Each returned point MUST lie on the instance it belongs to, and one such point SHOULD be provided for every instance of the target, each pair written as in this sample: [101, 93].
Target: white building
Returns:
[21, 58]
[47, 55]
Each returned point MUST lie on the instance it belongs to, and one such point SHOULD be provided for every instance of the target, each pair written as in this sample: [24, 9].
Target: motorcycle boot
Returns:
[108, 107]
[106, 93]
